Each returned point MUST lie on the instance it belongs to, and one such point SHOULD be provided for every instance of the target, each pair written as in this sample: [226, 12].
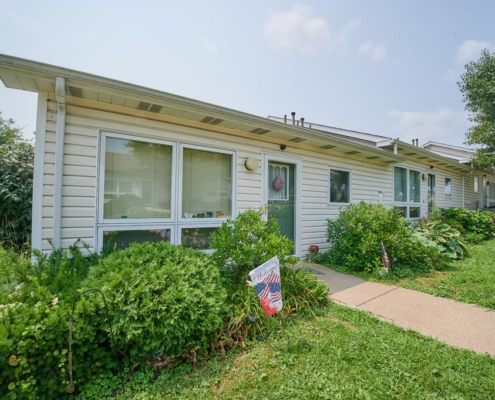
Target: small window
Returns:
[340, 185]
[122, 238]
[448, 187]
[476, 184]
[197, 238]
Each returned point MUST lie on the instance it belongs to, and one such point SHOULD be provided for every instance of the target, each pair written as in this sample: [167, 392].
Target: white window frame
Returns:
[448, 196]
[335, 203]
[140, 227]
[101, 181]
[475, 184]
[408, 204]
[175, 223]
[205, 221]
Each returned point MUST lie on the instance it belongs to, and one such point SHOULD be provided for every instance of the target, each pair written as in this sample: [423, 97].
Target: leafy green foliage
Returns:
[165, 301]
[470, 221]
[478, 87]
[35, 302]
[302, 293]
[246, 242]
[470, 280]
[443, 235]
[356, 237]
[16, 185]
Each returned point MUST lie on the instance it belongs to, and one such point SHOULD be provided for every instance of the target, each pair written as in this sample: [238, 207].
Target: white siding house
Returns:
[118, 160]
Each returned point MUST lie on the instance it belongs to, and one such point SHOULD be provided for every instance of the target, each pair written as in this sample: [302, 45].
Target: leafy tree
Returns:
[478, 87]
[16, 184]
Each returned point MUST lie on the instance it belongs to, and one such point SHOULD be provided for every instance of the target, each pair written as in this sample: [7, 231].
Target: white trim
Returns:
[336, 203]
[59, 162]
[266, 157]
[39, 170]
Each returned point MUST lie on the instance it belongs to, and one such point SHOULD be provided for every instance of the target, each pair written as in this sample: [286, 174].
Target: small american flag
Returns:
[385, 260]
[266, 282]
[271, 284]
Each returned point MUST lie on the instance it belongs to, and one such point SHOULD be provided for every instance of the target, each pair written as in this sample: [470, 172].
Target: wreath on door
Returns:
[278, 183]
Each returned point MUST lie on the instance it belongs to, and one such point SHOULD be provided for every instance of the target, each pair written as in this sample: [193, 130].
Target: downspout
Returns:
[396, 151]
[463, 203]
[59, 162]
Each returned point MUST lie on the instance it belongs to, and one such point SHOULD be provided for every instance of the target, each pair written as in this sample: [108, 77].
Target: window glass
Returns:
[448, 187]
[122, 239]
[197, 238]
[414, 186]
[339, 186]
[476, 184]
[414, 212]
[400, 184]
[138, 179]
[402, 211]
[206, 184]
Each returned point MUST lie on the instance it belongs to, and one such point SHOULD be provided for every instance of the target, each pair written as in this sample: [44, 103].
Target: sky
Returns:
[384, 67]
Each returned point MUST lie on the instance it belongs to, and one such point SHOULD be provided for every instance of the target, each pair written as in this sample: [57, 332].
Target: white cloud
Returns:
[442, 125]
[375, 51]
[208, 46]
[470, 50]
[298, 29]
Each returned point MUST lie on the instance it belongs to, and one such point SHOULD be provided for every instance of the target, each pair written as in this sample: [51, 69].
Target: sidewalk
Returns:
[457, 324]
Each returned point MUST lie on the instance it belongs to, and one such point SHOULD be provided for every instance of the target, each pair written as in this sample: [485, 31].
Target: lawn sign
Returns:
[266, 281]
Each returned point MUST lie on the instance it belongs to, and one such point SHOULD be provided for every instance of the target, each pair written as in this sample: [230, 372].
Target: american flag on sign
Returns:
[266, 281]
[385, 260]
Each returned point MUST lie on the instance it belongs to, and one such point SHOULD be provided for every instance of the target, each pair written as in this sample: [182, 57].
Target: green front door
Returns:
[281, 192]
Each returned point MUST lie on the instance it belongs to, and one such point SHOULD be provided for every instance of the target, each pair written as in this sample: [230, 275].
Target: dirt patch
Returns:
[425, 281]
[347, 324]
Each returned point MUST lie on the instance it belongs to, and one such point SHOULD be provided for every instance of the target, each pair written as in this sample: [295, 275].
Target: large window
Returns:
[339, 183]
[141, 200]
[407, 192]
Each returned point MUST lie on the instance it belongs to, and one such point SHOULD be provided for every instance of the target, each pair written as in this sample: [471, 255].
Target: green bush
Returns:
[246, 242]
[470, 221]
[302, 293]
[356, 237]
[34, 313]
[165, 301]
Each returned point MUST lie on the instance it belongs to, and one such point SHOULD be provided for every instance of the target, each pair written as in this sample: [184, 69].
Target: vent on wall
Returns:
[75, 91]
[144, 106]
[259, 131]
[297, 140]
[353, 152]
[211, 120]
[328, 146]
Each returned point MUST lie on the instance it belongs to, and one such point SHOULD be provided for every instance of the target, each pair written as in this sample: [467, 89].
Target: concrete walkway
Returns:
[457, 324]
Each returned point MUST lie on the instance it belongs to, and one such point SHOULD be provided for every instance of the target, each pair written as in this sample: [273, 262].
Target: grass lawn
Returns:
[471, 280]
[341, 354]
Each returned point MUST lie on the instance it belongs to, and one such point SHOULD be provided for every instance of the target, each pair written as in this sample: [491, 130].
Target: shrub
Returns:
[302, 293]
[34, 315]
[470, 221]
[448, 238]
[356, 237]
[164, 301]
[246, 242]
[16, 188]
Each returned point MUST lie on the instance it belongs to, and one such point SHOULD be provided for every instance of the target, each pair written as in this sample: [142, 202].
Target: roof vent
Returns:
[155, 108]
[328, 146]
[143, 106]
[75, 91]
[211, 120]
[260, 131]
[297, 140]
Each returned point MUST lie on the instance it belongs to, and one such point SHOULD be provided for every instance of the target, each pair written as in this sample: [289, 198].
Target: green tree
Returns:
[478, 88]
[16, 184]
